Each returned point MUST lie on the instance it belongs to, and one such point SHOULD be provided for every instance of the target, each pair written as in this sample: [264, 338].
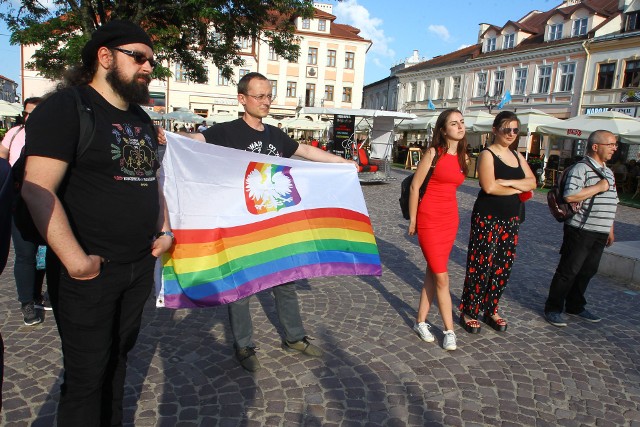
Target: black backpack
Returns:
[558, 206]
[405, 189]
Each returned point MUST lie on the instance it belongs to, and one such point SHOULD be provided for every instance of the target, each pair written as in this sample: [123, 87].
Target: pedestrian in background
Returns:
[29, 279]
[435, 218]
[587, 233]
[504, 177]
[101, 214]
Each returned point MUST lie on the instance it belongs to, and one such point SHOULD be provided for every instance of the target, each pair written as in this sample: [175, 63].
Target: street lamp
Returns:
[491, 101]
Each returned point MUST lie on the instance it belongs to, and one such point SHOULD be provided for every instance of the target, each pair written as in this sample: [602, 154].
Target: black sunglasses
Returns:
[139, 57]
[507, 131]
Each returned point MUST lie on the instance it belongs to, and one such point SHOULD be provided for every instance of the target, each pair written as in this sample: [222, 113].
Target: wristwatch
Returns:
[164, 233]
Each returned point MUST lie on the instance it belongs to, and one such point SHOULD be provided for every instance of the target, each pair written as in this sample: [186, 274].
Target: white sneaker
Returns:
[449, 341]
[422, 329]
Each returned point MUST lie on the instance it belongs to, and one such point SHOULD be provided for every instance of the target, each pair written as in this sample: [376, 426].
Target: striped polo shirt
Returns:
[598, 212]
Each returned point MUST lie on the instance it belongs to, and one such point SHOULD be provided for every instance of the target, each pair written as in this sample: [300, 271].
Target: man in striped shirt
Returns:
[586, 233]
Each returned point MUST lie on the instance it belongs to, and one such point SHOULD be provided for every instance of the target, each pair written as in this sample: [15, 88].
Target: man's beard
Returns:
[133, 91]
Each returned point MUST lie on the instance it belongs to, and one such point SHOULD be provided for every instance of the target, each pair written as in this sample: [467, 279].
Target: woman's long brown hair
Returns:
[440, 143]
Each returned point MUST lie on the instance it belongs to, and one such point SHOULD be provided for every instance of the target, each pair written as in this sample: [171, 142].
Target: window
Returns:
[331, 58]
[498, 82]
[245, 43]
[291, 89]
[310, 95]
[346, 94]
[349, 58]
[555, 32]
[481, 87]
[312, 56]
[631, 74]
[180, 74]
[244, 72]
[605, 76]
[456, 87]
[328, 93]
[520, 84]
[322, 25]
[306, 23]
[491, 44]
[509, 41]
[580, 27]
[274, 88]
[222, 80]
[567, 73]
[544, 78]
[633, 21]
[413, 92]
[440, 83]
[272, 54]
[427, 90]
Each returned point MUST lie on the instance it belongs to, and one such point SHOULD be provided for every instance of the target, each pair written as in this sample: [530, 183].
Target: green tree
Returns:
[189, 32]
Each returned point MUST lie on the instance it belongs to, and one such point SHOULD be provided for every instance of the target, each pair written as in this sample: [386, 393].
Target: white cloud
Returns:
[351, 13]
[462, 46]
[440, 31]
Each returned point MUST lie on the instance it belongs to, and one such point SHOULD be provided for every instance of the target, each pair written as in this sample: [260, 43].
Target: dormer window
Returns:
[322, 25]
[491, 44]
[579, 27]
[555, 32]
[509, 41]
[306, 24]
[633, 21]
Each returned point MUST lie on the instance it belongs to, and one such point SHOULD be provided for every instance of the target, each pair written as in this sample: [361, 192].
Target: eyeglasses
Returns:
[612, 145]
[261, 98]
[507, 131]
[139, 57]
[25, 114]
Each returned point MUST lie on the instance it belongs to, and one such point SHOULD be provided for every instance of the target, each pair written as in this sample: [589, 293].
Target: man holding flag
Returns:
[249, 133]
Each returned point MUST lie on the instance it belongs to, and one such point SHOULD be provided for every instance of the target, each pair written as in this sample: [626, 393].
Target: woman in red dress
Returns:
[435, 218]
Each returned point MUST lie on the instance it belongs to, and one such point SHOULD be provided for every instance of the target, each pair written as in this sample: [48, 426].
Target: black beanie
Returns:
[113, 34]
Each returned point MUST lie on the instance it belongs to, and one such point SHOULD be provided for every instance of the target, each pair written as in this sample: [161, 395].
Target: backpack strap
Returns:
[86, 119]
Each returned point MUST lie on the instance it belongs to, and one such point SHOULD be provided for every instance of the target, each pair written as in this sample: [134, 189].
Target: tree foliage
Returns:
[189, 32]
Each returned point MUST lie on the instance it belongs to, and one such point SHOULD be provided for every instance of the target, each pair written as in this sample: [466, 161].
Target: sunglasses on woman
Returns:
[507, 131]
[139, 57]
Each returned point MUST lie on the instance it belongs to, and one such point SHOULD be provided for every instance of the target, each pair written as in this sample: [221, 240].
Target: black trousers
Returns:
[98, 321]
[580, 257]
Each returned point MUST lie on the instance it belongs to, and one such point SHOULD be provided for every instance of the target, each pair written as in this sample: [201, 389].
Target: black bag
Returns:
[558, 206]
[405, 189]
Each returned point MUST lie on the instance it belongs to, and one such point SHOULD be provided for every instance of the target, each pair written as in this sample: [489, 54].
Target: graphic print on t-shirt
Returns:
[134, 149]
[269, 188]
[256, 147]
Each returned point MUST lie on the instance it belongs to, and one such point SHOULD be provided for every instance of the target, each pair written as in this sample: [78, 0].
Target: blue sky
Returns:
[396, 28]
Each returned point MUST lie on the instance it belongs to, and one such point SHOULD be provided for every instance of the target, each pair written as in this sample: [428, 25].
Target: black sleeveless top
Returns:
[500, 206]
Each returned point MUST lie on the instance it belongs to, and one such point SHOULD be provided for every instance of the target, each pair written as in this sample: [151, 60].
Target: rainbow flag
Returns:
[244, 222]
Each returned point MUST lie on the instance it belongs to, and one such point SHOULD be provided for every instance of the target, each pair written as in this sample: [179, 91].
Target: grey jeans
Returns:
[287, 308]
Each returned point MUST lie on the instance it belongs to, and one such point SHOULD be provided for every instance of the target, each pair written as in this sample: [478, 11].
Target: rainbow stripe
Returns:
[212, 267]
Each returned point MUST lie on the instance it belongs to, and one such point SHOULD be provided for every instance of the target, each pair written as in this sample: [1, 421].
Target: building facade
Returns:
[329, 72]
[8, 89]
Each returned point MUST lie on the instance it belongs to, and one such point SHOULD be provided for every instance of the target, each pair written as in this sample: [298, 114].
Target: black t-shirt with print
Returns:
[110, 194]
[239, 135]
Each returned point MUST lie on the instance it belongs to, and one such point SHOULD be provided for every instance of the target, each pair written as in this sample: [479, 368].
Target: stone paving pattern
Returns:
[375, 371]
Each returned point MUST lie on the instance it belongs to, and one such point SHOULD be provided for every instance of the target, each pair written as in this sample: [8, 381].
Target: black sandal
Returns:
[499, 325]
[468, 325]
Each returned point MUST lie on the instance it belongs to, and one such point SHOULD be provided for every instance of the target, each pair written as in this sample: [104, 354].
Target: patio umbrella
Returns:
[476, 118]
[529, 121]
[221, 118]
[580, 127]
[303, 124]
[184, 116]
[420, 123]
[631, 137]
[9, 110]
[153, 115]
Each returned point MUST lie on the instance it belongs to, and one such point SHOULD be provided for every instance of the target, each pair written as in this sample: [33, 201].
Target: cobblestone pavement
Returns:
[375, 371]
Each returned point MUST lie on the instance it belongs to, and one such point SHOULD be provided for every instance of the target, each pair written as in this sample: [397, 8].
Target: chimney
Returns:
[483, 28]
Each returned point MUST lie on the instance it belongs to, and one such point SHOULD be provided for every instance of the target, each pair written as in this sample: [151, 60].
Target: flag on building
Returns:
[244, 222]
[430, 105]
[505, 99]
